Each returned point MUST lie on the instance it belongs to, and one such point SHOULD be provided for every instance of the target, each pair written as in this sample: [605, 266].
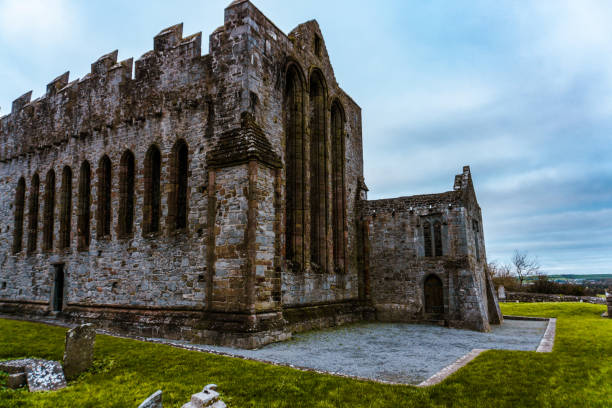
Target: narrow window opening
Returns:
[33, 214]
[427, 238]
[438, 238]
[66, 209]
[126, 194]
[338, 204]
[152, 191]
[104, 198]
[84, 209]
[177, 209]
[317, 45]
[19, 209]
[49, 211]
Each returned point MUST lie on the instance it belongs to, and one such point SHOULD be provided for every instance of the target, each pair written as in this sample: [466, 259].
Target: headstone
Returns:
[45, 375]
[208, 398]
[40, 375]
[78, 353]
[154, 401]
[501, 292]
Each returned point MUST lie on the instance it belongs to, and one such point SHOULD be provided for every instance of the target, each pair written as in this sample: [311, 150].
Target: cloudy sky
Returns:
[520, 91]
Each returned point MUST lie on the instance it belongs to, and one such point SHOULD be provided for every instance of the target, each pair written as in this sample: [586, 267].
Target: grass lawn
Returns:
[578, 373]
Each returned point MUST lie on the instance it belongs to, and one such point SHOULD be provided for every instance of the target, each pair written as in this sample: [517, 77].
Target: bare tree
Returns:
[524, 265]
[502, 275]
[499, 270]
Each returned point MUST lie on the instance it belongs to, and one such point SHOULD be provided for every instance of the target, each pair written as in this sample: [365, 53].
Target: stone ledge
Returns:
[548, 340]
[441, 375]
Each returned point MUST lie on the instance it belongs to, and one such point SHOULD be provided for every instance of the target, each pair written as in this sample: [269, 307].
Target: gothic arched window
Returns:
[84, 208]
[19, 209]
[318, 170]
[65, 208]
[177, 205]
[33, 214]
[127, 179]
[427, 238]
[49, 211]
[437, 233]
[103, 212]
[152, 191]
[294, 166]
[338, 205]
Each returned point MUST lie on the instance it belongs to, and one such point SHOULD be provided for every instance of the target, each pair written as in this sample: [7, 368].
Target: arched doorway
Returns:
[434, 295]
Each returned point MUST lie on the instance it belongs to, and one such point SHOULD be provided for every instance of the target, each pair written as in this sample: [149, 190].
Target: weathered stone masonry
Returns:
[217, 198]
[426, 259]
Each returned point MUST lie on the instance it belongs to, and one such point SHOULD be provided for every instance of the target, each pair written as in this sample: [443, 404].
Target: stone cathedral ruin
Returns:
[220, 198]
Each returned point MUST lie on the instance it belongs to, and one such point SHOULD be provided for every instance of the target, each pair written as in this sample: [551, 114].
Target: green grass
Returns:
[578, 373]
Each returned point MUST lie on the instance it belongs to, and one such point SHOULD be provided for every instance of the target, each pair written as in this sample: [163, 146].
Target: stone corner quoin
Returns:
[220, 198]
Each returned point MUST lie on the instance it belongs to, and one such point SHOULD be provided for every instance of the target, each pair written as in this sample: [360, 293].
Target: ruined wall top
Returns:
[109, 96]
[462, 195]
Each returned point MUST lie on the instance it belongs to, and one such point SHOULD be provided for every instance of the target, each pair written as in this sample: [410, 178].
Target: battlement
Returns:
[109, 95]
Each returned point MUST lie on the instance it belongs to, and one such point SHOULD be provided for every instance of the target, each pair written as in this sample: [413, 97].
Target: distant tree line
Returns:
[524, 267]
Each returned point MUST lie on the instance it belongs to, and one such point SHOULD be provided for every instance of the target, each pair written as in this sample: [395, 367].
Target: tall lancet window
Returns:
[49, 211]
[84, 208]
[33, 214]
[19, 209]
[127, 179]
[338, 204]
[318, 171]
[152, 191]
[294, 166]
[65, 209]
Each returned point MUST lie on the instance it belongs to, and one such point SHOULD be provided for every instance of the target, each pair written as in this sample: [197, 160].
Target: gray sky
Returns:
[520, 91]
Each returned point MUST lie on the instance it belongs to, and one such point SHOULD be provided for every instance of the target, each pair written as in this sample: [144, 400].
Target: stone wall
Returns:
[70, 125]
[544, 297]
[398, 264]
[227, 107]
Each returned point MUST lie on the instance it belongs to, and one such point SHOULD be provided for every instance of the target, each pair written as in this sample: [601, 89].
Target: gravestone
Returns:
[40, 375]
[78, 353]
[501, 292]
[45, 375]
[154, 401]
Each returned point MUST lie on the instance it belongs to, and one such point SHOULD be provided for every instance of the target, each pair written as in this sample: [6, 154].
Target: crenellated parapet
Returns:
[172, 77]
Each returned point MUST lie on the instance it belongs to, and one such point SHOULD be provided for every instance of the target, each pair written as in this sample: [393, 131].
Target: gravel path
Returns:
[394, 352]
[402, 353]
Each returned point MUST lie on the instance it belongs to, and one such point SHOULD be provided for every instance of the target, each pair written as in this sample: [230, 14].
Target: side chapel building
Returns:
[220, 198]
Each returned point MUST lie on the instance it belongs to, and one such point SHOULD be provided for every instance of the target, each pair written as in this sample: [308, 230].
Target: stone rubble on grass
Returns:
[208, 398]
[40, 375]
[17, 380]
[154, 401]
[78, 350]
